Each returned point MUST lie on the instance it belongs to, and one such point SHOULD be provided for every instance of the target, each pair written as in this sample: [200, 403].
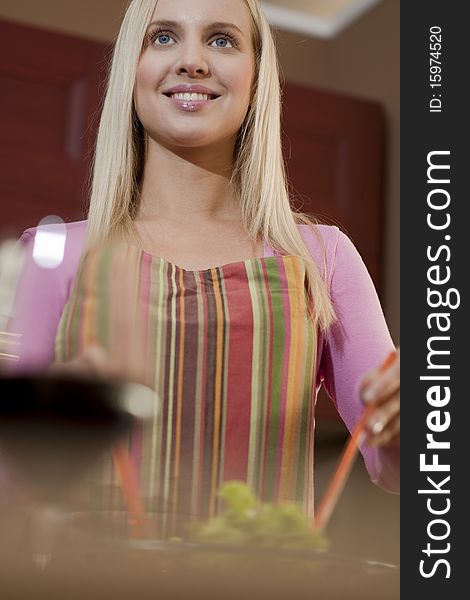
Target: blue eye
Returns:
[164, 39]
[161, 37]
[223, 43]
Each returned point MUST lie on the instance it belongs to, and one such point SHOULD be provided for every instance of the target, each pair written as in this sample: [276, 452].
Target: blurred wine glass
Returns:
[53, 429]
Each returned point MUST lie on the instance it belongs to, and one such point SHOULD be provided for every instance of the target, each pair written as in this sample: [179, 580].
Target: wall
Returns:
[363, 61]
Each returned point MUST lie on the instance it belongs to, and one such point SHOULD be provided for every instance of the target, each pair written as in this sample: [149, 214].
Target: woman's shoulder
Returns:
[327, 243]
[68, 242]
[73, 242]
[329, 233]
[320, 238]
[75, 231]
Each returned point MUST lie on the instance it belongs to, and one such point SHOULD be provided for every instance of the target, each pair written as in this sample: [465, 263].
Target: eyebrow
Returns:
[216, 25]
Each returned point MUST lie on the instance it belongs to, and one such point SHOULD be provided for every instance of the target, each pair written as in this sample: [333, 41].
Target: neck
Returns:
[187, 185]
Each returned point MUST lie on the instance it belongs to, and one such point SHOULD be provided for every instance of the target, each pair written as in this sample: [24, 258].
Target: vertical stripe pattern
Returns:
[232, 356]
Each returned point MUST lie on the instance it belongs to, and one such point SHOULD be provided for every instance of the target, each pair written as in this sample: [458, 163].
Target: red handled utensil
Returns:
[130, 487]
[346, 462]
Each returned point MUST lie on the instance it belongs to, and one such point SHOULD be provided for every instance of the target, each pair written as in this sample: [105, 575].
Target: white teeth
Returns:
[192, 97]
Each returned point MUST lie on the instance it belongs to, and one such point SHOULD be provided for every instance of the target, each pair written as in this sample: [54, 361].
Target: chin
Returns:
[192, 139]
[190, 143]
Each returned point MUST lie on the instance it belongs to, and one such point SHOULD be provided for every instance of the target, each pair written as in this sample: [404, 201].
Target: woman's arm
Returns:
[40, 299]
[357, 343]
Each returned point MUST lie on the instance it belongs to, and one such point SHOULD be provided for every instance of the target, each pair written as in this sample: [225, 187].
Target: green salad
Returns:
[247, 520]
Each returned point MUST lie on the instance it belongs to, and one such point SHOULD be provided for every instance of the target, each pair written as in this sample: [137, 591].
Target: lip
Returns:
[190, 105]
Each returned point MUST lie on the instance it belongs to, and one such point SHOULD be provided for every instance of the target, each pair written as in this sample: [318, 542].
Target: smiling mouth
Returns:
[192, 97]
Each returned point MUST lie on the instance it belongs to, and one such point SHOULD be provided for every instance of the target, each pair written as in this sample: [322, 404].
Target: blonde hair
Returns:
[258, 177]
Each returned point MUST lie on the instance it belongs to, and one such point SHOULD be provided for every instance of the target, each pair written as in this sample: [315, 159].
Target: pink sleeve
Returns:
[40, 299]
[357, 342]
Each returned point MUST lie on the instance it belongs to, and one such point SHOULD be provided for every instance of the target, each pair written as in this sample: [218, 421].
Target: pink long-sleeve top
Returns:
[357, 342]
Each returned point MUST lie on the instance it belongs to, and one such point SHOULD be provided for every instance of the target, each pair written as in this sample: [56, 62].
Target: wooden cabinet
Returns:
[334, 148]
[48, 107]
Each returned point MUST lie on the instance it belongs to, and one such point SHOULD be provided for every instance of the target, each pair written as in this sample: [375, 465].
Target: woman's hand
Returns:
[381, 386]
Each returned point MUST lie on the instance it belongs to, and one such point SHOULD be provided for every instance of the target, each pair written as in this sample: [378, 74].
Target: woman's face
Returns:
[196, 72]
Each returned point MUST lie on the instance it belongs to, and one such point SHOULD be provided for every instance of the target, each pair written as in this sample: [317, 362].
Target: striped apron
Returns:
[230, 352]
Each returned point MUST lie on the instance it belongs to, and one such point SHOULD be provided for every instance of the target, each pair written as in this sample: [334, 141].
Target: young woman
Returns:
[194, 276]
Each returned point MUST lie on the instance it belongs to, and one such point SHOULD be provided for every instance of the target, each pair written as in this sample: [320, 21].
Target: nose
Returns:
[192, 61]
